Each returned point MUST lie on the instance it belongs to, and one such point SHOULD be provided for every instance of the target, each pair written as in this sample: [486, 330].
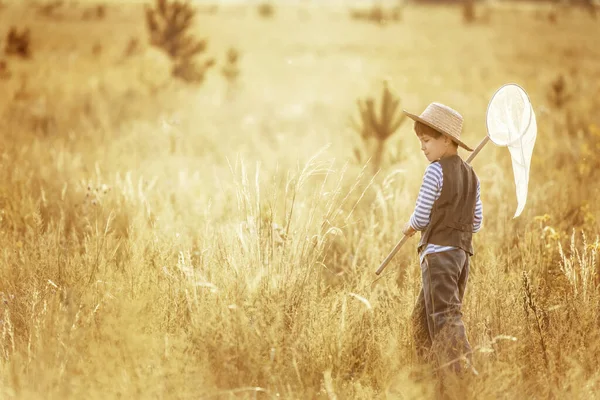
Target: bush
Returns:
[266, 10]
[169, 23]
[468, 11]
[377, 127]
[18, 43]
[377, 14]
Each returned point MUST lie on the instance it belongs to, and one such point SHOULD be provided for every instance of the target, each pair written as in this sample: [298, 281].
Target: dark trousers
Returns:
[438, 329]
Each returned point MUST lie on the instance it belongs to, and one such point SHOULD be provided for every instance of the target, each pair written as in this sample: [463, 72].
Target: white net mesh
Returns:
[511, 122]
[509, 115]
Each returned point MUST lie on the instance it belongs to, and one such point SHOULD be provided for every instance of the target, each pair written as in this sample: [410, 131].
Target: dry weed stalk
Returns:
[580, 267]
[529, 303]
[8, 336]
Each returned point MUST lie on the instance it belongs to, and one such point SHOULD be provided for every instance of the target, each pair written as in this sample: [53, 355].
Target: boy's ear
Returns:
[452, 142]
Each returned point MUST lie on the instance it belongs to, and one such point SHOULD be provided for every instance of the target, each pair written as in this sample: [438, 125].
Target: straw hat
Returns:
[444, 120]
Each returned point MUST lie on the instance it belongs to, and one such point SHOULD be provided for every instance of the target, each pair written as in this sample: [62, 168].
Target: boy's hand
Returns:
[408, 230]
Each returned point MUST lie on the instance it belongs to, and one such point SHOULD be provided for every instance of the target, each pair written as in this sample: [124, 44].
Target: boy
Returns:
[448, 212]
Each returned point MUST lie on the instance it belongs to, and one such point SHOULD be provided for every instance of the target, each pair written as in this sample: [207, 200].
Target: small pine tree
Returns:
[169, 23]
[380, 126]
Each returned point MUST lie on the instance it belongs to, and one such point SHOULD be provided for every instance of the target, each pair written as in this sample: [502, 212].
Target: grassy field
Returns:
[165, 240]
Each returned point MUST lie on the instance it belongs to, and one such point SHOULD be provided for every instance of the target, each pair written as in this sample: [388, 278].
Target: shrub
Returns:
[169, 23]
[18, 43]
[558, 94]
[377, 127]
[468, 11]
[50, 9]
[266, 10]
[378, 14]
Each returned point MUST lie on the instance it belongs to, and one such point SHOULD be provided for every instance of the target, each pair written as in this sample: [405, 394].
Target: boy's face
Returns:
[434, 148]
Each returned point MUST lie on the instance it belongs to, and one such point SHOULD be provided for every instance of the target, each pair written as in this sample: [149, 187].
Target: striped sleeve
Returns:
[430, 191]
[478, 218]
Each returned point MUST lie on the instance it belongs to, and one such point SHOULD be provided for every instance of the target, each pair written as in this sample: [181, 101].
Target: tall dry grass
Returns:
[160, 241]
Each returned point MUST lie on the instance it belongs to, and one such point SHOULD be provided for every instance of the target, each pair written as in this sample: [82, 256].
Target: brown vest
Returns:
[452, 215]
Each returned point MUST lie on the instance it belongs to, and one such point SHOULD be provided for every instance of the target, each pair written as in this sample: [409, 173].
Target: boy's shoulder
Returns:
[439, 165]
[434, 168]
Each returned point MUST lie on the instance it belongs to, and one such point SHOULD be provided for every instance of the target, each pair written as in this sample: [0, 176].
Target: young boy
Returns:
[448, 212]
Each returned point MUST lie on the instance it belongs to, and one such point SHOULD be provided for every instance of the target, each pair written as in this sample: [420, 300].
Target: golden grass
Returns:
[164, 241]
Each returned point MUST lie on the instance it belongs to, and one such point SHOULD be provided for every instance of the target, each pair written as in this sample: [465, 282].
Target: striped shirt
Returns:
[430, 191]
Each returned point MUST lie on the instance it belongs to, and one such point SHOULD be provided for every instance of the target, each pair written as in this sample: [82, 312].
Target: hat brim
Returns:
[419, 119]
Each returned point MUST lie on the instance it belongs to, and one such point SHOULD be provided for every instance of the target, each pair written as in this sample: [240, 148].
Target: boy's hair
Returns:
[421, 129]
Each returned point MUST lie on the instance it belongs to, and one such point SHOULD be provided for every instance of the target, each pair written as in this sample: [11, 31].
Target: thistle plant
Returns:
[376, 127]
[169, 23]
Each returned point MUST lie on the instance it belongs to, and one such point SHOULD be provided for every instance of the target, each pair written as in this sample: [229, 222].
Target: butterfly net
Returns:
[511, 123]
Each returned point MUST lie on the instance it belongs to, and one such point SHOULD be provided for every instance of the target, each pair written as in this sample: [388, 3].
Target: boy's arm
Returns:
[430, 191]
[478, 218]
